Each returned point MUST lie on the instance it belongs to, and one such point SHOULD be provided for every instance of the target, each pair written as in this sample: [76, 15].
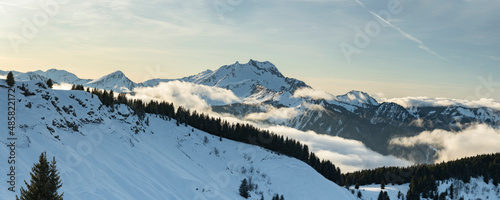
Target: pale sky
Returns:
[448, 48]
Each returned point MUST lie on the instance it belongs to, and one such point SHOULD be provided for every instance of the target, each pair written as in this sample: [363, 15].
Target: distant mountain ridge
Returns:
[354, 115]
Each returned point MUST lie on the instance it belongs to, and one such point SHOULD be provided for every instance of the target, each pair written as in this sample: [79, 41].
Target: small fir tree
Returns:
[45, 181]
[49, 83]
[10, 79]
[244, 189]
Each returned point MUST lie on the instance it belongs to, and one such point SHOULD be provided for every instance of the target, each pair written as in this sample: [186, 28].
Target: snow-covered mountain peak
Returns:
[61, 76]
[116, 81]
[256, 80]
[266, 66]
[116, 74]
[358, 98]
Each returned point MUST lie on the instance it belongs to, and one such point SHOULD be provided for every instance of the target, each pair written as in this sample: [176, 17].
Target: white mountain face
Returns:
[116, 81]
[253, 82]
[109, 153]
[357, 98]
[62, 76]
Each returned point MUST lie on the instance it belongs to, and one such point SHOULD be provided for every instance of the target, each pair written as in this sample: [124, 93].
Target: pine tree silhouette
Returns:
[45, 181]
[244, 189]
[50, 83]
[10, 79]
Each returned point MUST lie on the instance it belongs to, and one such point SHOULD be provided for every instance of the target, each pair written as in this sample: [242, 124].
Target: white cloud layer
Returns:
[62, 86]
[314, 94]
[478, 139]
[276, 115]
[428, 101]
[188, 95]
[348, 155]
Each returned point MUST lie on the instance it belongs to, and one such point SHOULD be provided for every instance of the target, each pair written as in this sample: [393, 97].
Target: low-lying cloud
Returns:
[272, 114]
[188, 95]
[313, 94]
[428, 101]
[348, 155]
[62, 86]
[477, 139]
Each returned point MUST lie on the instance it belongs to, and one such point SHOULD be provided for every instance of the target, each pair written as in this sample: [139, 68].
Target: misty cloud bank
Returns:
[348, 155]
[477, 139]
[62, 86]
[272, 114]
[313, 94]
[188, 95]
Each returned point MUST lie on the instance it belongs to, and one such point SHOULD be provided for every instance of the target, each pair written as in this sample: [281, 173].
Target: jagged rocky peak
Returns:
[253, 67]
[266, 66]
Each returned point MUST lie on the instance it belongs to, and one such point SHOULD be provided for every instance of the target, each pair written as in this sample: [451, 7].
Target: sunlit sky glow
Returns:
[427, 48]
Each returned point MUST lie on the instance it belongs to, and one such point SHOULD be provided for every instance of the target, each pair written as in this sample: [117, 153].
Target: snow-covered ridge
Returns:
[357, 98]
[252, 82]
[108, 153]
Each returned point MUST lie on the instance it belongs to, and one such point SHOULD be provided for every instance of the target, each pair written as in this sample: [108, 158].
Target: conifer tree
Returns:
[451, 191]
[55, 181]
[45, 181]
[380, 196]
[49, 83]
[10, 79]
[244, 189]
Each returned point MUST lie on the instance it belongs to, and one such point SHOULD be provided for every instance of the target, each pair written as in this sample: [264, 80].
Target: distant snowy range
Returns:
[105, 158]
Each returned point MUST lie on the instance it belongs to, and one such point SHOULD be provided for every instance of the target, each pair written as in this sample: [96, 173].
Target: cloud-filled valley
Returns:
[349, 155]
[189, 95]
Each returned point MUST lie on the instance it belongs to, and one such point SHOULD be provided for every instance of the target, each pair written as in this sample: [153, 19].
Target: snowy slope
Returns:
[475, 189]
[100, 156]
[371, 192]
